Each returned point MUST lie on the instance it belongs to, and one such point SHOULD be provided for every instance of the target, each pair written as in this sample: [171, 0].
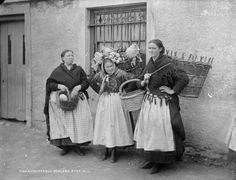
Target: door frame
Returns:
[16, 14]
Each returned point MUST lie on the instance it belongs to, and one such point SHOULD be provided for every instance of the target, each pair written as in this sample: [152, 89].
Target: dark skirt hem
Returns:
[232, 157]
[66, 142]
[160, 157]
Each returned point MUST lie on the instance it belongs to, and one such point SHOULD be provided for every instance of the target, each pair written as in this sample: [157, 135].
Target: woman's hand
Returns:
[167, 90]
[147, 76]
[75, 91]
[105, 78]
[143, 83]
[103, 84]
[104, 81]
[62, 87]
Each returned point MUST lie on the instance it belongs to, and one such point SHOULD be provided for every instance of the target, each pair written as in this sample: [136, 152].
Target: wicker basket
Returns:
[197, 73]
[69, 105]
[131, 100]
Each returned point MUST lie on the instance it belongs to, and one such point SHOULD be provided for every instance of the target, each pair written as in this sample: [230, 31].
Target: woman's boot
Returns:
[113, 155]
[65, 150]
[155, 169]
[78, 150]
[147, 165]
[104, 154]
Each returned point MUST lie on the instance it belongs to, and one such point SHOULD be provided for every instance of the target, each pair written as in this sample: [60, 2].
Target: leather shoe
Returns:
[104, 155]
[79, 151]
[147, 165]
[65, 151]
[113, 156]
[155, 169]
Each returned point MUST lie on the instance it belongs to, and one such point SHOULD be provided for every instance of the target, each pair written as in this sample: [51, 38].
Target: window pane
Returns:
[119, 27]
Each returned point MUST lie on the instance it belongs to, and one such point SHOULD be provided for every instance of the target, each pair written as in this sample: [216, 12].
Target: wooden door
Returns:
[13, 80]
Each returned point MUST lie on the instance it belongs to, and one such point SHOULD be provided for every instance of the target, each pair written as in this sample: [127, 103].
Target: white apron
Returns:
[76, 124]
[231, 136]
[112, 123]
[153, 131]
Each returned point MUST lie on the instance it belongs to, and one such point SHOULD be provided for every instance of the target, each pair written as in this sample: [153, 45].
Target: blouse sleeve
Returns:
[181, 80]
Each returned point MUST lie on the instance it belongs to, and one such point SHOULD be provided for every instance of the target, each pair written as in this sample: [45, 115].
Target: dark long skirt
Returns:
[66, 142]
[167, 157]
[232, 157]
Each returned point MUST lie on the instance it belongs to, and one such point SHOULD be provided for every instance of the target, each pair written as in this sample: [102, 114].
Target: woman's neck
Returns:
[68, 66]
[156, 57]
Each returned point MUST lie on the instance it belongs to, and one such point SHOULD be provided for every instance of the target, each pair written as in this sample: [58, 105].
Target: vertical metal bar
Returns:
[121, 29]
[104, 32]
[139, 31]
[95, 28]
[112, 29]
[100, 28]
[117, 27]
[130, 25]
[127, 27]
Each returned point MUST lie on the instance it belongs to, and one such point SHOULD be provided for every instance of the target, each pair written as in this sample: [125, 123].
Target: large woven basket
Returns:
[131, 100]
[197, 73]
[69, 105]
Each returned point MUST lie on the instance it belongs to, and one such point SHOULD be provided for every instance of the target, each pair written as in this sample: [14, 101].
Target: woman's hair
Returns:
[107, 60]
[64, 52]
[159, 43]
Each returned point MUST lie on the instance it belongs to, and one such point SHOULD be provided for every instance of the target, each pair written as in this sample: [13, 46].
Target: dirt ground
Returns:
[26, 155]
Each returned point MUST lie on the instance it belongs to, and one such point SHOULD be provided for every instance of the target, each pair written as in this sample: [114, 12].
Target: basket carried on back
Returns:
[131, 100]
[197, 73]
[70, 104]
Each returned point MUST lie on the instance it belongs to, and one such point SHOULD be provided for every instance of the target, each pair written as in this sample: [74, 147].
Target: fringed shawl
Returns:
[69, 78]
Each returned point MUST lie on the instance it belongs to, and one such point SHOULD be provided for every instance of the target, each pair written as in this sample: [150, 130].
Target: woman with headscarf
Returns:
[159, 130]
[70, 129]
[112, 123]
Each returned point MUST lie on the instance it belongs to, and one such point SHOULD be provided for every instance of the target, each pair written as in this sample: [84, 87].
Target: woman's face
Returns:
[154, 50]
[109, 67]
[68, 58]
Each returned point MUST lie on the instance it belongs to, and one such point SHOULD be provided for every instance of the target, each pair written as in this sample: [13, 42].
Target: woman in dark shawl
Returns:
[159, 130]
[68, 129]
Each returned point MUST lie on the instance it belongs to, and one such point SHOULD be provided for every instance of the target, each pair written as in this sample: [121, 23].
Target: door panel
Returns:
[13, 71]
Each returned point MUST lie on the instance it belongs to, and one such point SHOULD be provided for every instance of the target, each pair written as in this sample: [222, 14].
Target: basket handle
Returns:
[126, 82]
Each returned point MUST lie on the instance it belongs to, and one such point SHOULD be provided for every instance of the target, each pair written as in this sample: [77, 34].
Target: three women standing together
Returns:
[159, 130]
